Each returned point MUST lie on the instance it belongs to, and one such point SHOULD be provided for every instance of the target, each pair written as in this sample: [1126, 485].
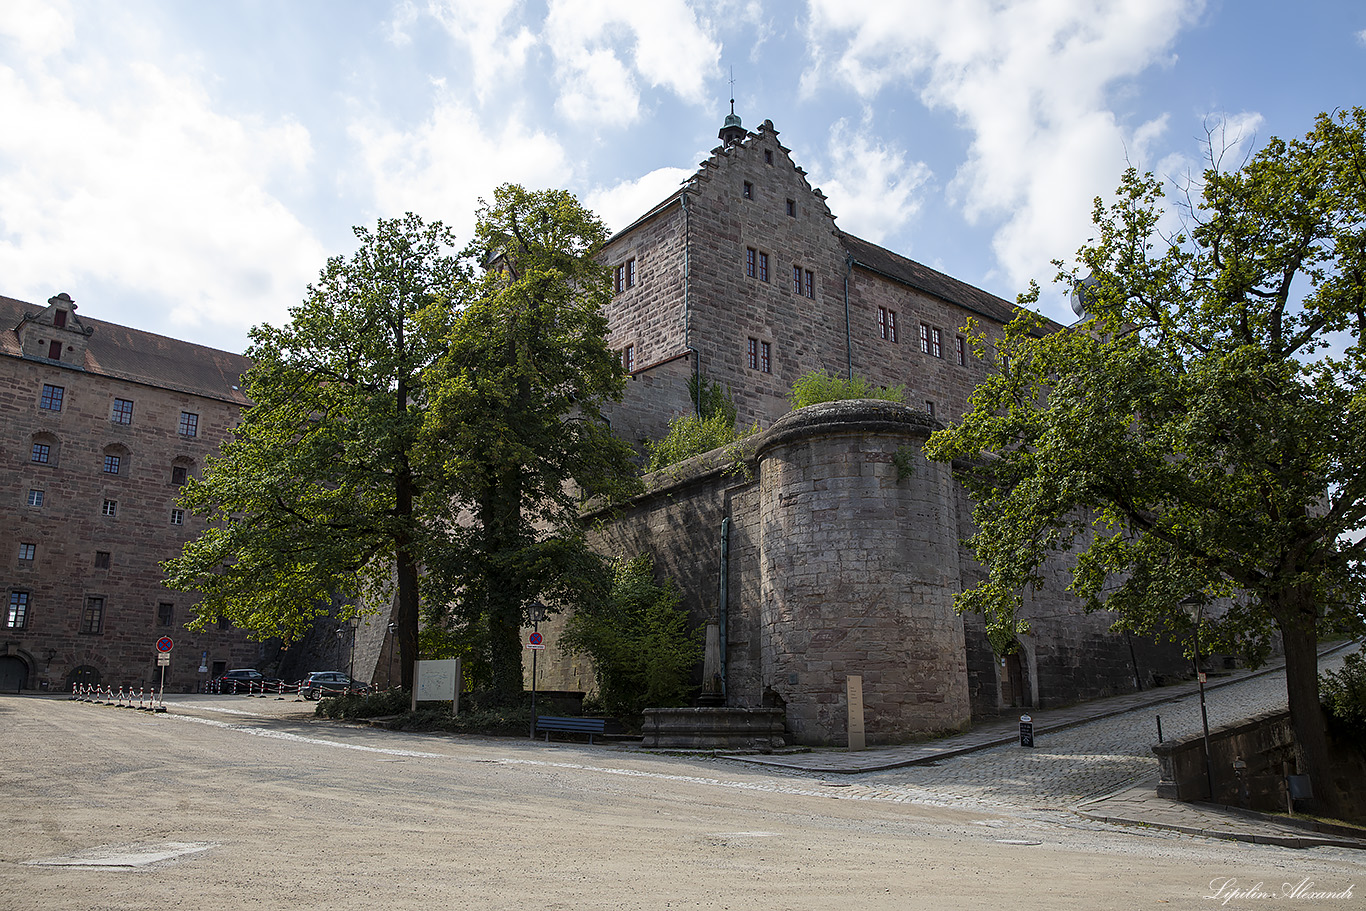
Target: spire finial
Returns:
[732, 132]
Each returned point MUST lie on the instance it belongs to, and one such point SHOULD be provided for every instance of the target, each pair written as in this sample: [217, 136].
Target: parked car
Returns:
[244, 680]
[329, 683]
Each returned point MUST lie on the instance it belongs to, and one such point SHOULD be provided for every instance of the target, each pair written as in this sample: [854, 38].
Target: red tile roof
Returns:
[140, 357]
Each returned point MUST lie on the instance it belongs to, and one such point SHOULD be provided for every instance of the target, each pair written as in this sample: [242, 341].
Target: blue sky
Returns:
[186, 168]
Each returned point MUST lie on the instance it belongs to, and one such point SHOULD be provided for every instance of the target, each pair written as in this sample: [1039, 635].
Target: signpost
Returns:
[437, 681]
[1026, 731]
[164, 645]
[535, 643]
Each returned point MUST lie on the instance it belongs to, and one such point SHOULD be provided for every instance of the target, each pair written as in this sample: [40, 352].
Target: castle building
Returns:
[100, 425]
[742, 277]
[830, 548]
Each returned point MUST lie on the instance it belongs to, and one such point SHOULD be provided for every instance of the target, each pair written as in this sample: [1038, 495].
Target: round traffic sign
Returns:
[535, 638]
[164, 644]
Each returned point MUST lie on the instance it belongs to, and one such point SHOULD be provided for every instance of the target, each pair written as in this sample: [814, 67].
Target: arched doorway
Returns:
[1015, 690]
[13, 674]
[85, 674]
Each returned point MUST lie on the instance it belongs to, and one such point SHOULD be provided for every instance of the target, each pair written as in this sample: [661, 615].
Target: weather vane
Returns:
[732, 90]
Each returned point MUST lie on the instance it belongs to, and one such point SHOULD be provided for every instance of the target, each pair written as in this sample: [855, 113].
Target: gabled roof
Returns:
[916, 275]
[137, 356]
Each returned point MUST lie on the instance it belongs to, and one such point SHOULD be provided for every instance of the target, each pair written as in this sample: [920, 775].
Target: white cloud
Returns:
[488, 31]
[602, 48]
[1361, 37]
[440, 168]
[1029, 81]
[120, 175]
[624, 202]
[875, 191]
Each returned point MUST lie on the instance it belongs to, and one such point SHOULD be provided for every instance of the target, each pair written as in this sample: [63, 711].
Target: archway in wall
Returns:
[85, 674]
[1015, 689]
[13, 674]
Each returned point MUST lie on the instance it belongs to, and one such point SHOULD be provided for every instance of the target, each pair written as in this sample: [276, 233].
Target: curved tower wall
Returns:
[858, 566]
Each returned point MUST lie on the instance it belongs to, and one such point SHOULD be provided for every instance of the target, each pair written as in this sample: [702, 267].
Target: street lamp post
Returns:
[537, 615]
[1195, 608]
[393, 641]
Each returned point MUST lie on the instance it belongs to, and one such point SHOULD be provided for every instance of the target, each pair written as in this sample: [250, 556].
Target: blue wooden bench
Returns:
[589, 726]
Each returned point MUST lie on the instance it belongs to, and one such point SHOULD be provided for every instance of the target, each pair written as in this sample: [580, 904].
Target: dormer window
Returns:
[59, 319]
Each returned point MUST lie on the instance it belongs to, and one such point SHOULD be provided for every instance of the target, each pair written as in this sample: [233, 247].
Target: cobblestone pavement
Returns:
[1068, 766]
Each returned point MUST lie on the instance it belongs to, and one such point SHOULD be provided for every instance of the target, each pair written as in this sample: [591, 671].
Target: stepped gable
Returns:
[134, 355]
[714, 161]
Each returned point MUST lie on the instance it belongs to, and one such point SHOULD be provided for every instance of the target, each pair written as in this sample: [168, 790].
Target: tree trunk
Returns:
[1297, 618]
[407, 571]
[501, 516]
[406, 616]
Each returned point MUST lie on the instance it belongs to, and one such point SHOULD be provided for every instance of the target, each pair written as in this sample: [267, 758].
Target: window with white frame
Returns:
[17, 615]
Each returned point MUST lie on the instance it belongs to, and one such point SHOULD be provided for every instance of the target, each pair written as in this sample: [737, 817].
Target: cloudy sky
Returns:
[186, 168]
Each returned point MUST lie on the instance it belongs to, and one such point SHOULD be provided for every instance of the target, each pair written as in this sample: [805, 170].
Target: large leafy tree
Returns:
[1201, 438]
[515, 427]
[319, 491]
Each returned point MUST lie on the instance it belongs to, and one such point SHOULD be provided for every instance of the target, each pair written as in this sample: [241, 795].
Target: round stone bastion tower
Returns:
[858, 559]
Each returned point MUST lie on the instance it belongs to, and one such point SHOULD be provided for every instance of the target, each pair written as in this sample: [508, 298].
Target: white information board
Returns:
[437, 681]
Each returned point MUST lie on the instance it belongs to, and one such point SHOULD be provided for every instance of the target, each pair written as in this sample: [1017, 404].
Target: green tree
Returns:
[638, 637]
[515, 422]
[1202, 436]
[319, 490]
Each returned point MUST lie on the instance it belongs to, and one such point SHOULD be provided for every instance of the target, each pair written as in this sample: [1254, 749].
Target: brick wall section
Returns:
[69, 528]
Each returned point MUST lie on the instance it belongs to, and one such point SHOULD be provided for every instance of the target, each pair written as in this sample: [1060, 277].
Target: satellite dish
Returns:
[1082, 293]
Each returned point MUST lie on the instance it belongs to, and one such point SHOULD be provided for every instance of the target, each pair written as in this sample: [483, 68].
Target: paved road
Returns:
[277, 811]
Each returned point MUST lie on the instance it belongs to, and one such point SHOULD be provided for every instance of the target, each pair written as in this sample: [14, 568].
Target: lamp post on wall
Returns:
[393, 641]
[1194, 606]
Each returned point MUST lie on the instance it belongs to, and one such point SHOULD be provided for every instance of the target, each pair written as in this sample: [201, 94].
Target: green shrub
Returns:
[689, 436]
[638, 638]
[375, 705]
[1343, 694]
[817, 387]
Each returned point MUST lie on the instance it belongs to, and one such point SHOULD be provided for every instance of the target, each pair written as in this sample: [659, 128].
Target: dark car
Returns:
[244, 680]
[329, 683]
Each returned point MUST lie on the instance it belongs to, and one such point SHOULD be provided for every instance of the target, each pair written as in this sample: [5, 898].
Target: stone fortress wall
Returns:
[841, 562]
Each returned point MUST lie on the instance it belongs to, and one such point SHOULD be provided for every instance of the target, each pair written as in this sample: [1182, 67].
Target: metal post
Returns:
[1204, 714]
[537, 614]
[394, 641]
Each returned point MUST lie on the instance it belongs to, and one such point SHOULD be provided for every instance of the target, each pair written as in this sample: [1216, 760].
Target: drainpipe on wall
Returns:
[848, 335]
[687, 318]
[724, 597]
